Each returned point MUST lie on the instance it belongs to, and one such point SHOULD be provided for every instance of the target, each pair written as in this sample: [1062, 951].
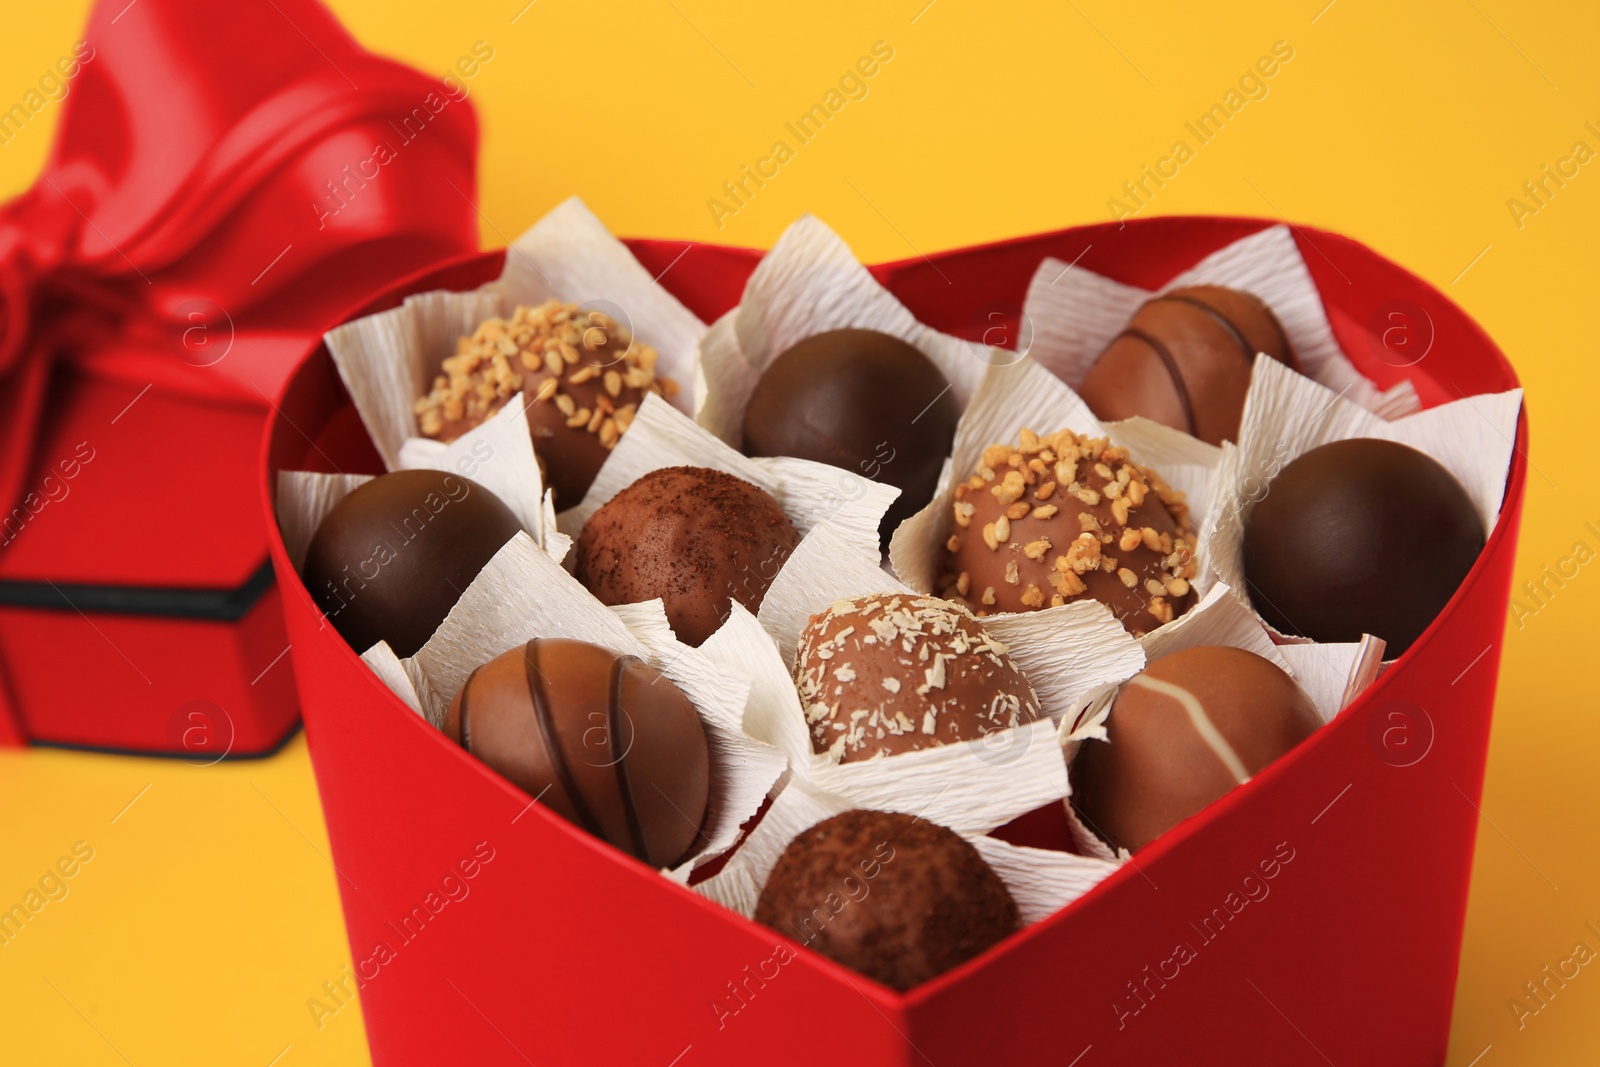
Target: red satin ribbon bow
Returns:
[214, 172]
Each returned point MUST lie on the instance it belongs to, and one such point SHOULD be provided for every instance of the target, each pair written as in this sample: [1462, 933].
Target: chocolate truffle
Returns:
[891, 673]
[603, 740]
[1360, 537]
[694, 537]
[861, 400]
[1181, 734]
[898, 898]
[581, 375]
[392, 558]
[1062, 518]
[1184, 360]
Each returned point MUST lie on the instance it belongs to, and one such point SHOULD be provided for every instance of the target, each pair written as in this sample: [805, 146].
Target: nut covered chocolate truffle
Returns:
[861, 400]
[1185, 359]
[1062, 518]
[897, 898]
[697, 538]
[891, 672]
[580, 374]
[1356, 537]
[603, 740]
[1181, 734]
[393, 557]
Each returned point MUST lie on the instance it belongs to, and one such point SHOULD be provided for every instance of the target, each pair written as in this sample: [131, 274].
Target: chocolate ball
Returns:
[1184, 360]
[603, 740]
[1182, 733]
[581, 375]
[1062, 518]
[898, 898]
[697, 538]
[392, 558]
[890, 673]
[1360, 537]
[861, 400]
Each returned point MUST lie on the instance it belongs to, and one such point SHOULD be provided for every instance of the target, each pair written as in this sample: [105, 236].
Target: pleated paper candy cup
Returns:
[1075, 313]
[811, 283]
[523, 594]
[1287, 415]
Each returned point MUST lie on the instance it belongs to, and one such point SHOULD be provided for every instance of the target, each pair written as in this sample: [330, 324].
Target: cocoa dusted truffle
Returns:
[1184, 360]
[1183, 733]
[697, 538]
[861, 400]
[898, 898]
[580, 374]
[603, 740]
[393, 557]
[891, 672]
[1061, 518]
[1356, 537]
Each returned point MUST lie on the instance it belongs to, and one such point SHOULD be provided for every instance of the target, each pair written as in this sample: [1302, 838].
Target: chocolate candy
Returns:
[895, 897]
[696, 538]
[1185, 731]
[861, 400]
[1360, 537]
[891, 673]
[1061, 518]
[1184, 360]
[603, 740]
[392, 558]
[580, 374]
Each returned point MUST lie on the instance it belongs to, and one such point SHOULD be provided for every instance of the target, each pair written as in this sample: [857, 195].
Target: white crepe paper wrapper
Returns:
[1331, 674]
[1024, 395]
[1041, 881]
[389, 360]
[811, 494]
[1075, 313]
[523, 594]
[497, 456]
[808, 284]
[971, 787]
[1287, 414]
[304, 499]
[392, 671]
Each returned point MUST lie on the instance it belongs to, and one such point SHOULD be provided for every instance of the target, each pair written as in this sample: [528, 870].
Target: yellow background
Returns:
[209, 916]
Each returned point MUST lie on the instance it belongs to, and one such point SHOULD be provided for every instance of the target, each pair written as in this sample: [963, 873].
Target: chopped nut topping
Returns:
[535, 352]
[1019, 510]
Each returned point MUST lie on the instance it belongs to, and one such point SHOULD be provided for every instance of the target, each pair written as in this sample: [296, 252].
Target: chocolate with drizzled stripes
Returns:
[604, 740]
[1184, 360]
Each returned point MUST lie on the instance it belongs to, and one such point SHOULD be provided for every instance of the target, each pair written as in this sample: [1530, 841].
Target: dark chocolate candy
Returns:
[1356, 537]
[890, 673]
[581, 375]
[861, 400]
[697, 538]
[1181, 734]
[1063, 518]
[603, 740]
[392, 558]
[1184, 360]
[895, 897]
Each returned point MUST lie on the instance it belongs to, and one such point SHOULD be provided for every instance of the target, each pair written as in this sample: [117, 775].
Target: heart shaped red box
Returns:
[556, 948]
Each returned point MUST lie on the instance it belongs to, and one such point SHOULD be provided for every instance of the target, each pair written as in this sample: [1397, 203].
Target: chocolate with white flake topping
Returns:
[890, 672]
